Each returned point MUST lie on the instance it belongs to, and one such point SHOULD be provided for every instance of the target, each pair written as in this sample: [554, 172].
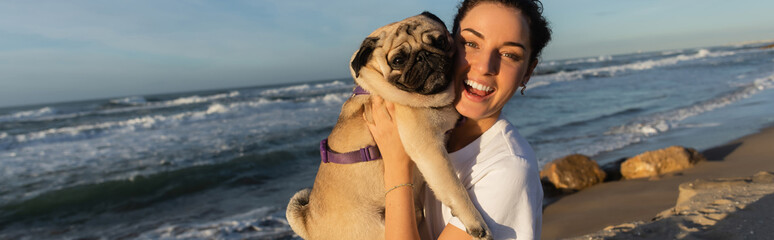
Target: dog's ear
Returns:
[433, 16]
[362, 56]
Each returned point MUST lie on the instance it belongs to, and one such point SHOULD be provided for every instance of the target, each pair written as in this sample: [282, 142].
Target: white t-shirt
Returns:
[500, 172]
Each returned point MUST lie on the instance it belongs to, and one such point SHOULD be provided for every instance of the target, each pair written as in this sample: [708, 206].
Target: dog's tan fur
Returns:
[347, 200]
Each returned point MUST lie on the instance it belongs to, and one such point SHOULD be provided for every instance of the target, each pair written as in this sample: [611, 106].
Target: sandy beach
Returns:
[617, 207]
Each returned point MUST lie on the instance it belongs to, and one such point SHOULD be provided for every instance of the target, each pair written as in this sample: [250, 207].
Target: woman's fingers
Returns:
[390, 108]
[378, 110]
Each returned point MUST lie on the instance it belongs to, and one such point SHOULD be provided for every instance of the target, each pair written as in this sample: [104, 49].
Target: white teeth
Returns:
[478, 86]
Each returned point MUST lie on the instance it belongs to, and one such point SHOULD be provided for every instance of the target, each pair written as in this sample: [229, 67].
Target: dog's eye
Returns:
[399, 60]
[441, 42]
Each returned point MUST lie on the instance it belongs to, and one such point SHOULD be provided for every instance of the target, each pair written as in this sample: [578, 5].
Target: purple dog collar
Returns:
[365, 154]
[360, 91]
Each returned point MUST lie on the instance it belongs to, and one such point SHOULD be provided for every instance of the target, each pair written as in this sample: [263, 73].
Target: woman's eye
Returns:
[470, 44]
[511, 56]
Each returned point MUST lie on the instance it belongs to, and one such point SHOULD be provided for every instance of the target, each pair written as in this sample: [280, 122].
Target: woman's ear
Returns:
[528, 74]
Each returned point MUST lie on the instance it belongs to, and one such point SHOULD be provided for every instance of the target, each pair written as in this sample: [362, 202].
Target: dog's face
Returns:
[407, 62]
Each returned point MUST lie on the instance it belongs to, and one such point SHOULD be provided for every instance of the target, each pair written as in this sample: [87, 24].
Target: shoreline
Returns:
[623, 201]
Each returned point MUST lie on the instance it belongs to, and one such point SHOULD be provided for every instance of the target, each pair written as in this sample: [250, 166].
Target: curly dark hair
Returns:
[540, 32]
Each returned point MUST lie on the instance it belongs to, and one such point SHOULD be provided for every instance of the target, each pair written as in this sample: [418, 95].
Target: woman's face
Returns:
[492, 59]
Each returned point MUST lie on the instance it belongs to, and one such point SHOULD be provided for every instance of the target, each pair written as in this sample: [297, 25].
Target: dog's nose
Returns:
[434, 78]
[421, 56]
[427, 75]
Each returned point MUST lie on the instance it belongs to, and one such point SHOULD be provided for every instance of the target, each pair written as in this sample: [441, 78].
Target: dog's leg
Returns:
[424, 143]
[296, 212]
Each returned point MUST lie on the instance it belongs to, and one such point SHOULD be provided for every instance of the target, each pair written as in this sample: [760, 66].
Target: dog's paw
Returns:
[480, 233]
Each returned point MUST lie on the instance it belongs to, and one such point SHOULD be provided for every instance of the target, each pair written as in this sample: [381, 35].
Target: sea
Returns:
[222, 164]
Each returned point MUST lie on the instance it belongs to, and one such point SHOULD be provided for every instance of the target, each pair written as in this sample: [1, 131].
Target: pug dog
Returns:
[408, 63]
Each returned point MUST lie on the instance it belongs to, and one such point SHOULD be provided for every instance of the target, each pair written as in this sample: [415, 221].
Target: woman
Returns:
[499, 42]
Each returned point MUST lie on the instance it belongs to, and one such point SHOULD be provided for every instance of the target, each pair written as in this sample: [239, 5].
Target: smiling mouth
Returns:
[477, 89]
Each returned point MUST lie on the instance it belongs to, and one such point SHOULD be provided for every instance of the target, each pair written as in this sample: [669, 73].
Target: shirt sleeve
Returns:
[509, 197]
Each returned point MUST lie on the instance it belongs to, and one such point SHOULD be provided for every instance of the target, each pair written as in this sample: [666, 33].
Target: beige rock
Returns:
[763, 177]
[717, 216]
[574, 172]
[654, 163]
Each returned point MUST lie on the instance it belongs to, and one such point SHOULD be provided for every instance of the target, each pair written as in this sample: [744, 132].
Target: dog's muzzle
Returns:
[427, 75]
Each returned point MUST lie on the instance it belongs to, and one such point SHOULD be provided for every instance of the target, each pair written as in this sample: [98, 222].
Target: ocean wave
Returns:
[305, 88]
[134, 189]
[213, 111]
[255, 224]
[611, 71]
[133, 124]
[662, 122]
[745, 43]
[114, 106]
[576, 123]
[672, 52]
[598, 59]
[29, 114]
[129, 101]
[603, 58]
[197, 99]
[150, 105]
[646, 126]
[700, 125]
[140, 101]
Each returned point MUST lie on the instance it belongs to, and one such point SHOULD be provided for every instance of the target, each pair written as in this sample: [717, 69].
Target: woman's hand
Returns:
[385, 132]
[399, 216]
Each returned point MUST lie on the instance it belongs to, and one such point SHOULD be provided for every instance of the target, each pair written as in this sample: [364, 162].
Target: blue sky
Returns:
[53, 51]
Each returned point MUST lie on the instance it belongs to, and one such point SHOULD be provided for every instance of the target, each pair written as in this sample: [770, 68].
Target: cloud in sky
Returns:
[66, 50]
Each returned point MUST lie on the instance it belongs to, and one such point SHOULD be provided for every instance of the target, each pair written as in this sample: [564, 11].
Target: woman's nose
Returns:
[486, 62]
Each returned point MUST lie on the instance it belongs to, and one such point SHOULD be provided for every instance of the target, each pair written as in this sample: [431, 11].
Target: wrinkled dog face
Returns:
[412, 56]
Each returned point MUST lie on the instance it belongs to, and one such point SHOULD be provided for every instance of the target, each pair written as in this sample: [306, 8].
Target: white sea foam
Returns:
[151, 121]
[253, 224]
[332, 98]
[662, 122]
[298, 89]
[29, 114]
[164, 104]
[198, 99]
[538, 82]
[142, 122]
[611, 71]
[134, 100]
[671, 52]
[598, 59]
[143, 145]
[739, 44]
[658, 123]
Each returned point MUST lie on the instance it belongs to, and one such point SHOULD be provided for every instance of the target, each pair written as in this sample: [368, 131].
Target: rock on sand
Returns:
[655, 163]
[573, 172]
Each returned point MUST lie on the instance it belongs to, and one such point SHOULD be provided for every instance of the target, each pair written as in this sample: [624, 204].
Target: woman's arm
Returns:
[451, 232]
[400, 220]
